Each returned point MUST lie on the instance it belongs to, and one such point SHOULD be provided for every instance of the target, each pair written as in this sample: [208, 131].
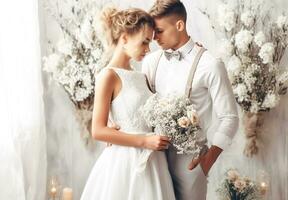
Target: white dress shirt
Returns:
[211, 89]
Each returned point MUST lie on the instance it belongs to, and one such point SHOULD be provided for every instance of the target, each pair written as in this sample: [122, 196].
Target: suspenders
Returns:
[188, 89]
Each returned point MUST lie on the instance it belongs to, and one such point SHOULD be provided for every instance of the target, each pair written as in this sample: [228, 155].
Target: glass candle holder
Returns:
[54, 188]
[263, 181]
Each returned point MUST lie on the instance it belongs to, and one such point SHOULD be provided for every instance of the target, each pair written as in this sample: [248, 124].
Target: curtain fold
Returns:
[22, 128]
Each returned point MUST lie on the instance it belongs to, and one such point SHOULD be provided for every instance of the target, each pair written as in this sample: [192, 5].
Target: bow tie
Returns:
[175, 54]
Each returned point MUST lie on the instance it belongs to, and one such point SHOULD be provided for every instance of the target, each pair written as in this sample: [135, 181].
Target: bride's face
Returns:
[137, 45]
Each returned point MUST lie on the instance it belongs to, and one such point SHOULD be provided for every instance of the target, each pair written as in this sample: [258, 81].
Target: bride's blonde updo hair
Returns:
[115, 22]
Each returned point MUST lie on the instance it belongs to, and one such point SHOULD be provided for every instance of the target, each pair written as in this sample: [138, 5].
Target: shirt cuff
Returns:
[221, 140]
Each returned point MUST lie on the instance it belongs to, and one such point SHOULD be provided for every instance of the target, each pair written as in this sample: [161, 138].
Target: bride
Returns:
[127, 170]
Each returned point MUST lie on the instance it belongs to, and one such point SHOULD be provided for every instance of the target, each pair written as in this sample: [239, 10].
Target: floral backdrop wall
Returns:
[252, 46]
[76, 57]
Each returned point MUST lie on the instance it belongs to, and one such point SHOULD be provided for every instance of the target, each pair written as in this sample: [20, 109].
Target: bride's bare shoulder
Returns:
[106, 76]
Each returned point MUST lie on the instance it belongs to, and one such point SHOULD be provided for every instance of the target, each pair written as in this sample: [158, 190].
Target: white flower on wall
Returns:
[247, 18]
[260, 38]
[243, 39]
[266, 53]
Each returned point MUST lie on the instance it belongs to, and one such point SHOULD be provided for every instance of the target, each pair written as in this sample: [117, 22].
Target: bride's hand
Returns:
[156, 142]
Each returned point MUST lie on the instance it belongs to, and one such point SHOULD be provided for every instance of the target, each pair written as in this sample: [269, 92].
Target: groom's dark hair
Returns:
[164, 8]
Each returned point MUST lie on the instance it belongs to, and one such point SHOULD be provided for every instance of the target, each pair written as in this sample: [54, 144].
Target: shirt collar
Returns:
[186, 48]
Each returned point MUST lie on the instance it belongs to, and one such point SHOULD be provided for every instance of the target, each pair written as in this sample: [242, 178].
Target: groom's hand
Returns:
[206, 161]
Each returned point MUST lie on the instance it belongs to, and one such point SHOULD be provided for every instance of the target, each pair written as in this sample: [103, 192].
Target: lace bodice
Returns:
[125, 107]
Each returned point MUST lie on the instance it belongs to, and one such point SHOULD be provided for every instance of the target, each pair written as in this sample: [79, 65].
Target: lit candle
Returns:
[263, 180]
[53, 191]
[263, 188]
[67, 194]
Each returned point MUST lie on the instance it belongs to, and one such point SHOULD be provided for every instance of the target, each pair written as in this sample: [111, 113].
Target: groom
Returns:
[172, 70]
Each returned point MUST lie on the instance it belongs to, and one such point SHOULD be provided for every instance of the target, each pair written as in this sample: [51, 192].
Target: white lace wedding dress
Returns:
[128, 173]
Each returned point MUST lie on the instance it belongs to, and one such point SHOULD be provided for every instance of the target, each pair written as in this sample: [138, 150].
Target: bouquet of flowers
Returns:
[76, 58]
[235, 187]
[176, 118]
[252, 49]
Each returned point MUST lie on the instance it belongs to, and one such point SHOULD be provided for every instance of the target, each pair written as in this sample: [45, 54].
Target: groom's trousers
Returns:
[188, 184]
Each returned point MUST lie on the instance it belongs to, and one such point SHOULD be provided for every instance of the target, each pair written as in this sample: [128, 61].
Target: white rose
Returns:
[247, 18]
[241, 92]
[81, 94]
[271, 100]
[183, 122]
[234, 65]
[233, 175]
[266, 53]
[242, 40]
[193, 116]
[259, 38]
[226, 48]
[282, 21]
[240, 184]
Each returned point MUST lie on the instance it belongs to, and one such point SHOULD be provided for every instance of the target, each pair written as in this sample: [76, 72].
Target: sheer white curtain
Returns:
[22, 125]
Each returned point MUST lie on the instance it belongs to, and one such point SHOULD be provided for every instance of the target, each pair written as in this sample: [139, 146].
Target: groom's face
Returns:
[166, 33]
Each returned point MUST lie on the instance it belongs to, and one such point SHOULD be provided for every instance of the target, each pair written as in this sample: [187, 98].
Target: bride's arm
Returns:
[106, 82]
